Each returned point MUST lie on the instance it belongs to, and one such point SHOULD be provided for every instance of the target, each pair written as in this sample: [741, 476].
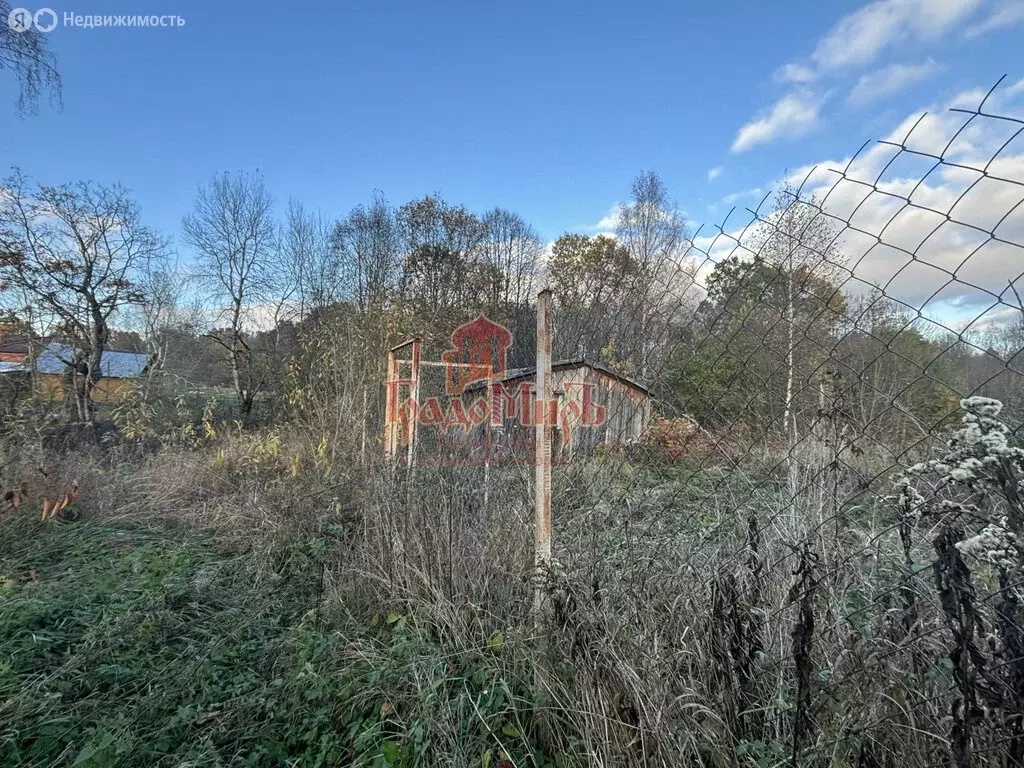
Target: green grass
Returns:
[145, 647]
[148, 646]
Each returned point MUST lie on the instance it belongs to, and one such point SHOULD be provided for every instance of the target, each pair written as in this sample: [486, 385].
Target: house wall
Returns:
[107, 390]
[627, 414]
[627, 409]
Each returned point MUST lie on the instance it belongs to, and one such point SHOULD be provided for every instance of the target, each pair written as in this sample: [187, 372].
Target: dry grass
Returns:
[697, 615]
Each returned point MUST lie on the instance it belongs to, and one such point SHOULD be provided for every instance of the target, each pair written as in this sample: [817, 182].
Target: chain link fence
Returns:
[814, 553]
[792, 531]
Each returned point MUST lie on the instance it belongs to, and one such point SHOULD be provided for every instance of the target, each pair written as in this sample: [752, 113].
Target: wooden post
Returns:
[542, 458]
[491, 417]
[414, 396]
[390, 405]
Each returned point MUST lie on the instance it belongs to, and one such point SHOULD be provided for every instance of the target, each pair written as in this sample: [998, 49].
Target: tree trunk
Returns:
[242, 398]
[788, 418]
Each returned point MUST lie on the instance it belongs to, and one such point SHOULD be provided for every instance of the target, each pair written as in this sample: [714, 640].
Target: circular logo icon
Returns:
[45, 19]
[20, 19]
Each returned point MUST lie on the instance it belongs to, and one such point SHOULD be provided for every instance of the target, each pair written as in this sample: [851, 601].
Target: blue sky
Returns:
[546, 108]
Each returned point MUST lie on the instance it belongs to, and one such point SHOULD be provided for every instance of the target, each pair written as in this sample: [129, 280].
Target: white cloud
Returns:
[795, 73]
[794, 115]
[890, 80]
[714, 173]
[994, 320]
[815, 176]
[737, 196]
[945, 240]
[921, 232]
[709, 250]
[968, 99]
[1010, 12]
[610, 221]
[859, 37]
[857, 40]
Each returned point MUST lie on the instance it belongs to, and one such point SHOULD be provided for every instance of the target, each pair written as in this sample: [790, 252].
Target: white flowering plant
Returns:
[975, 505]
[979, 482]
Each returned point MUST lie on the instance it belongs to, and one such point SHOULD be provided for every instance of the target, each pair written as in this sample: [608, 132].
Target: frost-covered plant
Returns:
[996, 545]
[975, 499]
[980, 479]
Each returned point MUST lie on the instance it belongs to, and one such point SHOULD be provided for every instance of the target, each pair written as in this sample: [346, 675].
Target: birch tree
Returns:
[232, 229]
[653, 231]
[801, 242]
[27, 54]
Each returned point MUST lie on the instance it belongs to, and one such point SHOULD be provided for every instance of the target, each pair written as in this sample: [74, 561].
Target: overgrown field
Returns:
[125, 645]
[244, 601]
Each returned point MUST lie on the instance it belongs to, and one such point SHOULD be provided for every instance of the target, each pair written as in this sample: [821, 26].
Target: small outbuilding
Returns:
[49, 361]
[597, 406]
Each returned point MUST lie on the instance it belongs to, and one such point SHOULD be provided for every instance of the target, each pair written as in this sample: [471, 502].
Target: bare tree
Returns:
[78, 251]
[312, 264]
[28, 56]
[653, 231]
[511, 250]
[168, 315]
[367, 247]
[232, 228]
[651, 226]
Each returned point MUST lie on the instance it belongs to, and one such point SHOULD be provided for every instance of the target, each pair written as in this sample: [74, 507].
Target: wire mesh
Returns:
[796, 532]
[818, 535]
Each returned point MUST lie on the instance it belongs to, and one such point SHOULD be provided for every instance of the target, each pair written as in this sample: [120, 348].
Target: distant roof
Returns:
[515, 374]
[21, 345]
[6, 367]
[114, 363]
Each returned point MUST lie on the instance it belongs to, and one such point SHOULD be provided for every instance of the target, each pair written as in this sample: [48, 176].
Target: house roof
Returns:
[21, 345]
[114, 364]
[517, 374]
